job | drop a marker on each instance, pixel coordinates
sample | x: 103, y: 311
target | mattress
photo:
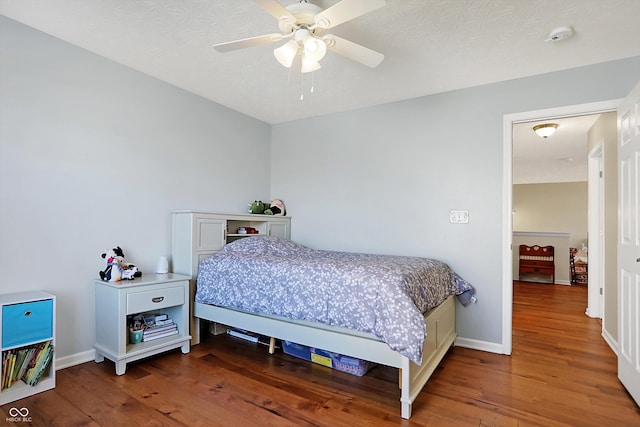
x: 382, y: 295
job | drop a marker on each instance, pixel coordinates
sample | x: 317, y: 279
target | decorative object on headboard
x: 538, y: 262
x: 276, y: 208
x: 257, y: 207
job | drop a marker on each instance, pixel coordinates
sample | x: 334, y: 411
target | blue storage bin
x: 337, y: 361
x: 297, y: 350
x: 27, y: 322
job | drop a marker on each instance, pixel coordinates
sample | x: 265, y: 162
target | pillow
x: 265, y: 245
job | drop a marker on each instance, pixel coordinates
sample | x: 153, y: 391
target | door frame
x: 507, y: 200
x: 595, y: 297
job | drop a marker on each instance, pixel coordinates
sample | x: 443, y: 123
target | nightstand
x: 151, y: 294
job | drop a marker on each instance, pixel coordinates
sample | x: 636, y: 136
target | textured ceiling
x: 562, y: 157
x: 430, y: 46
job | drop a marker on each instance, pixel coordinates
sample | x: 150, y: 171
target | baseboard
x: 75, y: 359
x: 557, y: 282
x: 490, y: 347
x: 613, y: 343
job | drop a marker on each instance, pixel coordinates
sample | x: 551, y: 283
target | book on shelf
x: 26, y: 363
x: 158, y: 329
x: 160, y: 335
x: 163, y: 322
x: 33, y: 374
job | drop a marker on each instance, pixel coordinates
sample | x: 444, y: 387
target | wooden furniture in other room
x: 536, y: 264
x: 579, y: 267
x: 151, y: 294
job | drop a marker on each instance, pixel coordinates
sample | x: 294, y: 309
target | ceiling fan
x: 305, y: 24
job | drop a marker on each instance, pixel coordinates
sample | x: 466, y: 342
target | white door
x: 629, y: 243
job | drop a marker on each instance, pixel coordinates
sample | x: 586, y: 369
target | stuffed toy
x: 257, y: 207
x: 129, y: 271
x: 112, y: 272
x: 117, y: 269
x: 276, y: 208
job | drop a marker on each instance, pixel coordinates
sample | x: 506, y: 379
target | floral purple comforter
x: 378, y: 294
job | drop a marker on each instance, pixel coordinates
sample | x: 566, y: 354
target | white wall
x: 93, y: 154
x: 383, y: 179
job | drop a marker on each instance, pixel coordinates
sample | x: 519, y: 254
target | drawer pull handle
x: 157, y: 299
x: 28, y: 313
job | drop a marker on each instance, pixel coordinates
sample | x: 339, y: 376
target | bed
x: 396, y: 311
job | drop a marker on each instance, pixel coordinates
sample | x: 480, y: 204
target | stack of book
x: 26, y: 363
x: 158, y: 326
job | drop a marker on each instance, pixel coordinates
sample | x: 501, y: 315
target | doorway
x: 507, y: 243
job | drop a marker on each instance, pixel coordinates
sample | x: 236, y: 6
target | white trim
x: 595, y: 231
x: 611, y: 341
x: 507, y: 199
x: 507, y: 233
x: 540, y: 234
x: 75, y: 359
x: 491, y: 347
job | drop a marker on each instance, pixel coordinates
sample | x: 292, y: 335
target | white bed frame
x: 196, y: 235
x: 441, y: 334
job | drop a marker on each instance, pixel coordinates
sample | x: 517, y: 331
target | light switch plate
x: 459, y: 217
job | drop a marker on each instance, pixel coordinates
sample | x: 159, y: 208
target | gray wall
x: 383, y: 179
x: 93, y: 154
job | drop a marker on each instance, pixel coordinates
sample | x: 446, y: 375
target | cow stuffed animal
x: 113, y: 271
x: 117, y: 269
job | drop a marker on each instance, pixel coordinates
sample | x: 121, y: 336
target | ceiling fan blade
x: 346, y: 10
x: 250, y: 42
x: 354, y: 51
x: 275, y: 9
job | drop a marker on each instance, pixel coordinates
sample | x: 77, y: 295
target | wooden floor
x: 561, y: 373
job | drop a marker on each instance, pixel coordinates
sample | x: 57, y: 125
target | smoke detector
x: 559, y: 34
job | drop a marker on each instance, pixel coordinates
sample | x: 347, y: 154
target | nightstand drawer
x: 138, y: 302
x: 27, y: 322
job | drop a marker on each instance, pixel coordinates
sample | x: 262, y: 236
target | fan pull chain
x: 311, y: 90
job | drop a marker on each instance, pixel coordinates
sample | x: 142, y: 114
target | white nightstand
x: 151, y: 293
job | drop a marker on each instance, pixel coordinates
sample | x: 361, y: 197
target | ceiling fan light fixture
x: 314, y: 49
x: 286, y: 53
x: 545, y: 130
x: 309, y: 65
